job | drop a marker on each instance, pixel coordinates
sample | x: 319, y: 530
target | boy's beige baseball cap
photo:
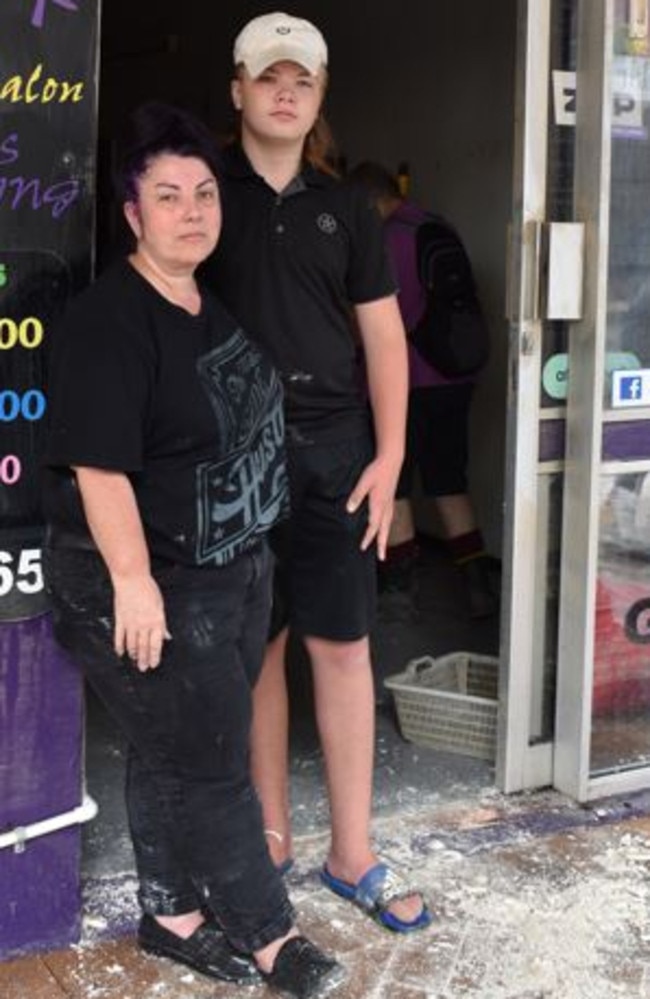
x: 278, y: 37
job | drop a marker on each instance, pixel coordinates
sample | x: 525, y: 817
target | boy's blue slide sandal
x: 374, y: 893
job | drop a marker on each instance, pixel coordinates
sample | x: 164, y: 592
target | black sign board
x: 48, y: 115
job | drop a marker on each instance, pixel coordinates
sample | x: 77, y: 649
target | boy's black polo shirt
x: 290, y: 267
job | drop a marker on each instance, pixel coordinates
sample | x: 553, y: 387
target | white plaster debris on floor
x: 557, y: 916
x: 528, y: 921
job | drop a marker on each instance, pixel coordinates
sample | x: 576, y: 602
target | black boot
x: 397, y: 584
x: 482, y: 583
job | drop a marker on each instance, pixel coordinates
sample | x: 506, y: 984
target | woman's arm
x: 114, y: 521
x: 384, y: 344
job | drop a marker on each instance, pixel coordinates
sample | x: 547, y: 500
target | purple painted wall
x: 48, y: 116
x: 40, y: 776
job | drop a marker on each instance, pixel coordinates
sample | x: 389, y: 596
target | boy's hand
x: 377, y: 485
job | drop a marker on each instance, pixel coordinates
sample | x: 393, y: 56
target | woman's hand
x: 114, y: 521
x: 140, y: 626
x: 377, y: 484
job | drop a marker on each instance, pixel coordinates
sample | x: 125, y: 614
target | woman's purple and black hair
x: 155, y: 129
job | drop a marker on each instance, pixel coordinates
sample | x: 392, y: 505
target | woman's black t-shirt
x: 185, y: 405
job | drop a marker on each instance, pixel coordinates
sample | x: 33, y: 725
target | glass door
x: 575, y: 683
x: 603, y: 716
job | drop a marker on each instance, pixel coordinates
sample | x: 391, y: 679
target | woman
x: 311, y: 250
x: 165, y: 471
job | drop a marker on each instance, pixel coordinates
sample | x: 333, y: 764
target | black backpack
x: 452, y: 334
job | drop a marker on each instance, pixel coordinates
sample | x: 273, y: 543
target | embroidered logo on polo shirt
x: 327, y: 223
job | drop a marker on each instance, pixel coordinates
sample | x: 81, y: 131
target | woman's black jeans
x: 194, y: 816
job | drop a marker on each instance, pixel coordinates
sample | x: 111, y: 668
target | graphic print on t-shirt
x: 246, y: 490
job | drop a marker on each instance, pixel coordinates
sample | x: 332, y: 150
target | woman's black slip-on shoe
x: 303, y: 971
x: 207, y: 951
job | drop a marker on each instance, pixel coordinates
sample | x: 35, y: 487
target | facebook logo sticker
x: 631, y: 388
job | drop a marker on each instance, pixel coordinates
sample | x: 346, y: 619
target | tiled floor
x: 535, y: 897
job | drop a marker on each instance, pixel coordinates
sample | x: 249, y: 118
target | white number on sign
x: 27, y: 576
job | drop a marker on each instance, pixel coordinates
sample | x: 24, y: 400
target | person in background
x: 165, y: 470
x: 301, y: 263
x: 437, y: 429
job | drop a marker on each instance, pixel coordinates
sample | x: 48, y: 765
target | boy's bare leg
x: 270, y: 748
x: 345, y: 712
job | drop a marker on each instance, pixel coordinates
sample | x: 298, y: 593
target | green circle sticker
x: 555, y: 373
x: 555, y: 376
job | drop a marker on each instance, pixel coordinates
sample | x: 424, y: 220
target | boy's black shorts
x: 436, y: 440
x: 325, y: 586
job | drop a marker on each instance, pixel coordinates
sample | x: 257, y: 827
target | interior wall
x: 430, y: 82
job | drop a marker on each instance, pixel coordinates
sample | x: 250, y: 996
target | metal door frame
x: 520, y: 765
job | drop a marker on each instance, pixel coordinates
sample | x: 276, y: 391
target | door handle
x: 545, y: 272
x: 564, y: 270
